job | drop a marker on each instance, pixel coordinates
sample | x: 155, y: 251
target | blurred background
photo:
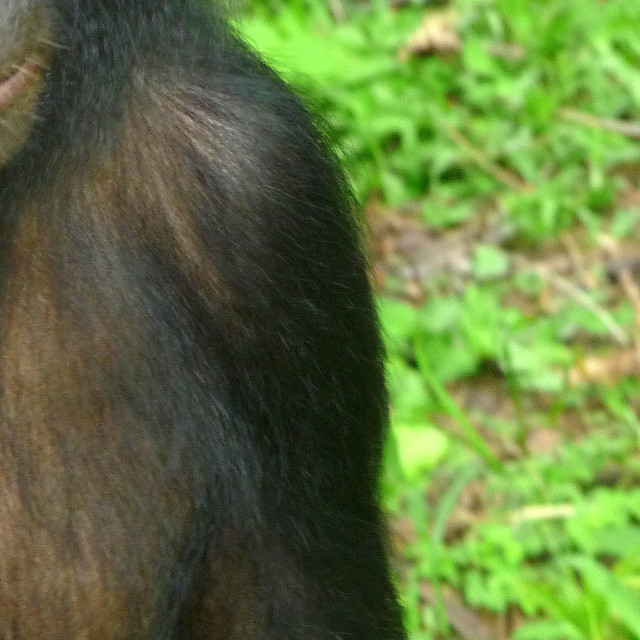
x: 494, y: 149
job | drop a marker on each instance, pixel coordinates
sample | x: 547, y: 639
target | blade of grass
x: 474, y: 439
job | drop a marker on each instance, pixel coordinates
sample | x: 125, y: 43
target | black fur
x: 192, y: 404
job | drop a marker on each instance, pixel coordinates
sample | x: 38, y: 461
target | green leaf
x: 549, y: 630
x: 449, y: 357
x: 399, y: 322
x: 489, y: 263
x: 624, y: 223
x: 410, y: 399
x: 419, y: 447
x: 620, y: 599
x: 441, y: 315
x: 478, y: 61
x: 618, y: 542
x: 448, y: 404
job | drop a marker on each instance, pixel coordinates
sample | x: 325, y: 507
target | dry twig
x: 579, y: 295
x: 501, y: 175
x: 542, y: 512
x: 623, y: 127
x: 629, y: 287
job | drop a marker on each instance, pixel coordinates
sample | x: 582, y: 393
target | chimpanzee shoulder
x: 192, y: 402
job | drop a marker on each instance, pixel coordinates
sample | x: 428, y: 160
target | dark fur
x: 192, y: 404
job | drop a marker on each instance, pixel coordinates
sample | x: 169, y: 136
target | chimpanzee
x: 192, y: 402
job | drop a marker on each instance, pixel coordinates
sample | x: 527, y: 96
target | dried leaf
x: 436, y: 35
x: 608, y: 368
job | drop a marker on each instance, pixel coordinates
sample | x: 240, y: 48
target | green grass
x: 513, y: 471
